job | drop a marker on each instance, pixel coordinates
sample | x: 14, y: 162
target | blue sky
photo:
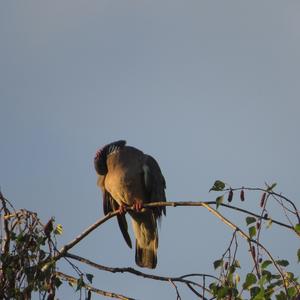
x: 209, y: 88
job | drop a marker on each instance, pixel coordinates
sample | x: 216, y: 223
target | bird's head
x: 100, y: 161
x: 101, y: 155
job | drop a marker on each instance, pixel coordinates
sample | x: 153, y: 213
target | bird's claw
x: 137, y: 205
x: 122, y: 209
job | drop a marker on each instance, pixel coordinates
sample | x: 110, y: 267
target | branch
x: 246, y: 237
x: 274, y: 194
x: 133, y: 271
x: 195, y: 203
x: 73, y: 280
x: 176, y: 289
x: 6, y: 226
x: 81, y: 236
x: 110, y: 215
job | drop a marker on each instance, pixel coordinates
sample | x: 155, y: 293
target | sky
x: 209, y: 88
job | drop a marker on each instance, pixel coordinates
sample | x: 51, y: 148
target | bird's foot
x: 137, y: 205
x: 122, y: 209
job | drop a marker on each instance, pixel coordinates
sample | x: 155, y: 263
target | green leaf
x: 278, y: 283
x: 237, y: 264
x: 292, y: 291
x: 252, y: 231
x: 262, y: 281
x: 222, y: 292
x: 89, y: 277
x: 271, y: 187
x: 281, y: 296
x: 219, y: 200
x: 270, y: 290
x: 41, y: 240
x: 290, y: 276
x: 250, y: 280
x: 234, y: 292
x: 297, y: 228
x: 57, y: 282
x: 229, y: 279
x: 20, y: 238
x: 260, y: 295
x: 276, y: 276
x: 218, y: 186
x: 267, y: 274
x: 266, y: 263
x: 218, y: 263
x: 250, y: 220
x: 58, y: 229
x: 80, y: 283
x: 298, y: 254
x: 282, y: 262
x: 232, y: 269
x: 254, y: 291
x: 213, y: 287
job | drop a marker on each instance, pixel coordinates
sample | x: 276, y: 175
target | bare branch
x: 133, y: 271
x: 296, y: 211
x: 73, y: 280
x: 201, y: 203
x: 81, y: 236
x: 176, y: 289
x: 110, y: 215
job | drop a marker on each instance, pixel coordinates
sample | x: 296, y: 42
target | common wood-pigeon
x: 128, y: 177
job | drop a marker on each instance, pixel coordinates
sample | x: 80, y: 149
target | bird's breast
x: 123, y: 188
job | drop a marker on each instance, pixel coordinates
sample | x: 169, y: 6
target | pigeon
x: 128, y: 177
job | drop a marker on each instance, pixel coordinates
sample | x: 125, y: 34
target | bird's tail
x: 145, y: 231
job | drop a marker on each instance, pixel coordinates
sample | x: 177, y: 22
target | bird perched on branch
x: 128, y: 177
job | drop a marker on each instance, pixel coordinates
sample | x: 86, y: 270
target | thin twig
x: 74, y: 280
x: 200, y: 275
x: 195, y: 291
x: 110, y: 215
x: 246, y: 237
x: 272, y: 193
x: 139, y: 273
x: 75, y: 241
x: 200, y: 203
x: 63, y: 251
x: 176, y: 289
x: 81, y: 236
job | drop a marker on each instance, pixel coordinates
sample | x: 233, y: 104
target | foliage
x: 26, y: 246
x: 29, y: 255
x: 268, y: 277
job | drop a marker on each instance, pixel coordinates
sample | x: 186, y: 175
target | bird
x: 128, y: 177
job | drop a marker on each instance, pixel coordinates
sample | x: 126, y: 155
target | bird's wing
x: 155, y: 184
x: 111, y: 205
